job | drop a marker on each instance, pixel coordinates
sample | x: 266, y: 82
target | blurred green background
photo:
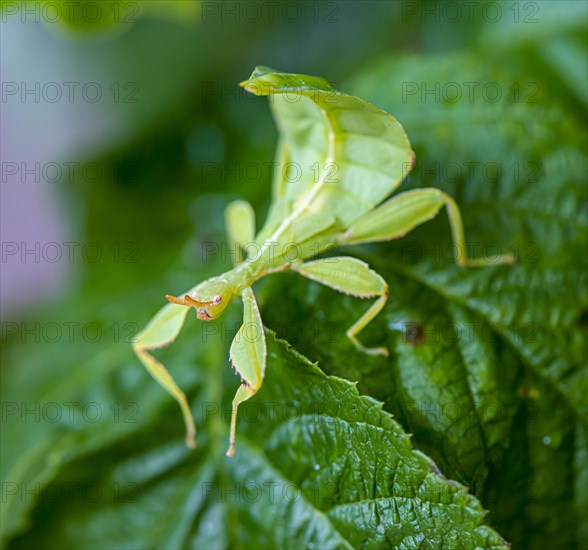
x: 133, y: 163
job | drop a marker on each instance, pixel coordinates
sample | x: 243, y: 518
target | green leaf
x: 318, y: 465
x: 542, y: 217
x: 472, y: 350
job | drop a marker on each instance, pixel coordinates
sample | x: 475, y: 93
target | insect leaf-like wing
x: 339, y: 155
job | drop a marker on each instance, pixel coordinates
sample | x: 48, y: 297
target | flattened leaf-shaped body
x: 339, y: 155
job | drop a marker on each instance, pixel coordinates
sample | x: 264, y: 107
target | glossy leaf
x: 480, y: 358
x: 299, y: 479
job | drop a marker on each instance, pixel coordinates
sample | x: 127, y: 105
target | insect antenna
x: 187, y: 300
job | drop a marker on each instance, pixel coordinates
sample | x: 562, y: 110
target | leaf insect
x: 363, y: 154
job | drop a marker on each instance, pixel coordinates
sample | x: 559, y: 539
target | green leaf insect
x: 339, y: 158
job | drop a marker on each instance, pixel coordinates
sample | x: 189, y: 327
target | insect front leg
x: 248, y: 355
x: 240, y: 222
x: 161, y: 331
x: 399, y: 215
x: 354, y: 277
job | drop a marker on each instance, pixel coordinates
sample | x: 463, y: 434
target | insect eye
x: 202, y: 314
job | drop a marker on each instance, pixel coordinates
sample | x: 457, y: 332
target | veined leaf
x: 318, y: 465
x: 479, y: 357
